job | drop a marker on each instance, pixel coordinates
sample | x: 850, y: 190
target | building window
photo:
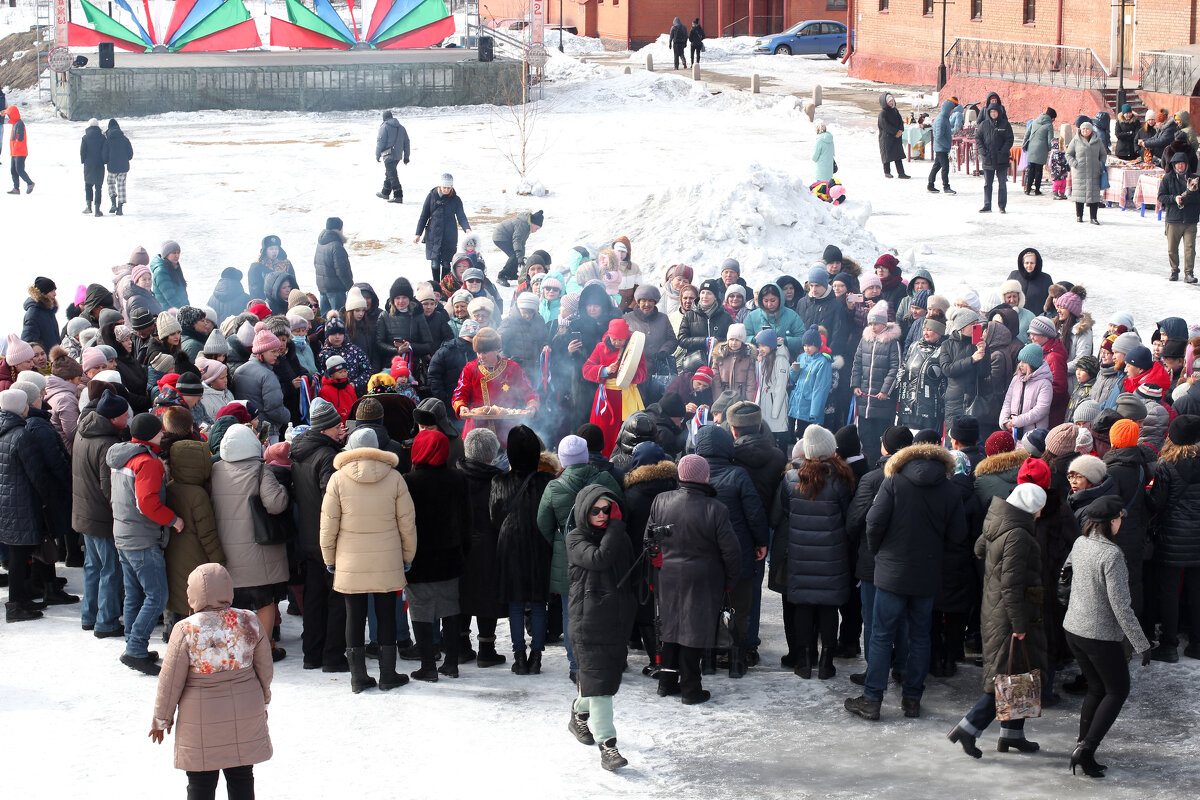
x: 976, y: 9
x: 883, y: 5
x: 1030, y: 12
x: 927, y: 7
x: 835, y: 5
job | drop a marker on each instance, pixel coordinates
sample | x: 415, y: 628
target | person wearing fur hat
x: 194, y: 330
x: 612, y: 404
x: 733, y: 364
x: 876, y: 369
x: 271, y: 258
x: 167, y: 281
x: 524, y: 334
x: 93, y: 153
x: 41, y: 307
x: 441, y: 216
x: 491, y: 381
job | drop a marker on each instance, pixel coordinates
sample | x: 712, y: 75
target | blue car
x: 814, y: 37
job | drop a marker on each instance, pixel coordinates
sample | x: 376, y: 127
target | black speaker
x: 486, y: 50
x: 106, y: 55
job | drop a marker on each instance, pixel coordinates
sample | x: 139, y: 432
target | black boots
x: 520, y: 665
x: 708, y: 663
x: 388, y: 677
x: 737, y: 662
x: 535, y: 662
x: 579, y: 729
x: 423, y: 631
x: 864, y: 707
x: 19, y: 612
x: 966, y: 740
x: 911, y: 706
x: 668, y: 683
x: 803, y: 664
x: 825, y: 668
x: 1003, y: 745
x: 112, y: 209
x: 487, y: 656
x: 610, y: 757
x: 99, y: 213
x: 120, y: 212
x: 1086, y: 760
x: 147, y: 665
x: 465, y: 653
x: 359, y: 679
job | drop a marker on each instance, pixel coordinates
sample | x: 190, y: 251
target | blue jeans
x: 537, y: 619
x: 752, y: 640
x: 101, y: 602
x: 982, y: 715
x: 332, y: 300
x: 889, y: 613
x: 145, y: 574
x: 867, y: 592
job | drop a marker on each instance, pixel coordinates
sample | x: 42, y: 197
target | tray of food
x: 496, y: 412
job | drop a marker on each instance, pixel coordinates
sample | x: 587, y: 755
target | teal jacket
x: 823, y: 157
x: 785, y: 321
x: 170, y: 289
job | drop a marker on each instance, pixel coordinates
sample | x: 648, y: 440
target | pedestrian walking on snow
x: 93, y: 154
x: 18, y: 151
x: 440, y: 219
x: 391, y: 145
x: 678, y: 39
x: 120, y: 153
x: 891, y: 129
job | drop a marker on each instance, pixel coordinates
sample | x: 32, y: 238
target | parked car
x: 818, y: 37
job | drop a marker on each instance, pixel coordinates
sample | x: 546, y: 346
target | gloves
x: 406, y: 161
x: 329, y: 568
x: 1146, y: 658
x: 407, y: 566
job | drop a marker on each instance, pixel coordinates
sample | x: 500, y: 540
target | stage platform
x: 296, y: 80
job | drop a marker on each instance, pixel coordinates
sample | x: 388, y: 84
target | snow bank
x: 573, y: 45
x: 764, y: 217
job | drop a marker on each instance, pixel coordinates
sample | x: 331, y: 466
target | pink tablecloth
x: 1146, y: 192
x: 1121, y: 180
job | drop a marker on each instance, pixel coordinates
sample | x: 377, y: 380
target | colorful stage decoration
x: 193, y: 26
x: 393, y: 24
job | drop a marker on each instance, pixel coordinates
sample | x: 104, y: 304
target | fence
x: 1044, y: 65
x: 1168, y: 73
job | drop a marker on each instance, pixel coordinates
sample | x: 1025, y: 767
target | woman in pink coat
x: 217, y: 672
x: 1027, y: 402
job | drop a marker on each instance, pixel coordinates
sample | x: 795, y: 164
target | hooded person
x: 229, y: 298
x: 118, y: 154
x: 891, y: 131
x: 167, y: 281
x: 771, y: 312
x: 1034, y: 282
x: 677, y: 38
x: 875, y: 371
x: 41, y: 307
x: 612, y: 403
x: 946, y: 124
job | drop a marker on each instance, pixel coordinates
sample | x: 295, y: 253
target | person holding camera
x: 600, y: 611
x: 1178, y: 197
x: 701, y: 562
x: 391, y: 145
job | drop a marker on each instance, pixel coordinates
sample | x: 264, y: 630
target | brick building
x: 622, y: 24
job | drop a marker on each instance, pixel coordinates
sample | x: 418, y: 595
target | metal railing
x: 1167, y: 73
x: 1044, y: 65
x: 766, y: 25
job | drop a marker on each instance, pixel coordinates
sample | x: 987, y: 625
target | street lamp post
x: 560, y: 27
x: 942, y: 65
x: 1121, y: 74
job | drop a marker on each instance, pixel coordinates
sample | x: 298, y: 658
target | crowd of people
x: 617, y: 457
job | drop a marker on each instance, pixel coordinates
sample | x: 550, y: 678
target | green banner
x: 110, y: 27
x: 427, y: 13
x: 301, y: 15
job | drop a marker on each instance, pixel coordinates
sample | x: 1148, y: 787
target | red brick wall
x: 797, y: 10
x: 1172, y: 103
x: 1024, y: 101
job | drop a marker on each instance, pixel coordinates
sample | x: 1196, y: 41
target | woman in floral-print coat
x: 217, y: 672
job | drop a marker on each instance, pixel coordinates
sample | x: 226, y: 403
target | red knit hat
x: 618, y: 329
x: 1034, y: 470
x: 999, y: 442
x: 888, y: 261
x: 260, y: 310
x: 704, y: 375
x: 430, y: 447
x: 399, y: 368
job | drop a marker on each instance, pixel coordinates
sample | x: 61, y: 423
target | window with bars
x: 1030, y: 11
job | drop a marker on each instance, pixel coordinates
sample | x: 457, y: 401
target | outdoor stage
x: 286, y: 80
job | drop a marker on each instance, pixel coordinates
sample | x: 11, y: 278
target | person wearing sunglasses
x: 600, y: 612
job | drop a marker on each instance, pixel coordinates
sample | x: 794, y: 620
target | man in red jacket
x: 1142, y: 369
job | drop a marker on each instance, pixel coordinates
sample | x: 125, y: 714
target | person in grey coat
x: 701, y: 562
x: 1039, y: 137
x: 510, y: 237
x: 391, y: 144
x: 600, y: 612
x: 1086, y: 155
x: 256, y: 381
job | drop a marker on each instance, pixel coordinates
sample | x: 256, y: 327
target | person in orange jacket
x: 337, y: 388
x: 18, y: 149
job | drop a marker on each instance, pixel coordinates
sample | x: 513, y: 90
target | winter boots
x: 668, y: 683
x: 610, y: 757
x: 465, y: 653
x: 579, y: 728
x: 911, y: 706
x: 487, y: 656
x: 1022, y: 745
x: 960, y: 737
x: 97, y: 211
x: 359, y: 679
x: 520, y: 665
x: 737, y: 662
x: 120, y: 212
x: 388, y: 677
x: 423, y: 631
x: 113, y: 208
x: 864, y: 707
x: 535, y: 662
x: 825, y: 668
x: 147, y: 665
x: 19, y: 612
x: 803, y: 665
x: 1167, y: 653
x: 1086, y: 760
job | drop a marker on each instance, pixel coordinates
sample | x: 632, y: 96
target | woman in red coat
x: 491, y: 380
x: 613, y: 404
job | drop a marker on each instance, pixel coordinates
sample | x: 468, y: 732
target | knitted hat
x: 744, y: 415
x: 264, y: 342
x: 1071, y: 302
x: 355, y: 300
x: 1061, y: 439
x: 303, y: 312
x: 646, y: 454
x: 17, y: 351
x: 166, y: 324
x: 32, y: 392
x: 36, y: 378
x: 1089, y: 364
x: 111, y: 405
x: 929, y: 436
x: 812, y: 337
x: 832, y: 253
x: 401, y: 288
x: 819, y: 443
x: 848, y: 443
x: 169, y: 247
x: 481, y: 445
x: 77, y: 326
x: 737, y: 289
x: 92, y: 359
x: 1122, y: 319
x: 935, y: 325
x: 163, y: 362
x: 245, y: 335
x: 15, y: 401
x: 399, y: 368
x: 704, y: 375
x: 920, y: 298
x: 1125, y: 342
x: 878, y: 313
x: 480, y: 304
x: 1034, y: 442
x: 1185, y: 430
x: 1131, y: 407
x: 369, y: 409
x: 362, y: 437
x: 572, y: 450
x: 768, y: 337
x: 1032, y: 355
x: 110, y: 316
x: 736, y: 331
x: 672, y: 405
x: 1043, y: 326
x: 189, y: 385
x: 888, y: 262
x: 591, y: 433
x: 143, y: 427
x: 446, y: 181
x: 999, y: 442
x: 89, y: 337
x: 868, y: 281
x: 332, y: 327
x: 333, y: 223
x: 1124, y: 433
x: 643, y: 292
x: 724, y: 401
x: 1150, y: 391
x: 468, y: 329
x: 44, y: 285
x: 731, y: 263
x: 211, y: 370
x: 1086, y: 412
x: 215, y: 344
x: 1174, y: 348
x: 1139, y: 356
x: 1091, y: 468
x: 140, y: 318
x: 239, y: 410
x: 846, y: 279
x: 692, y: 468
x: 188, y: 316
x: 279, y: 454
x: 333, y: 364
x: 896, y: 438
x: 819, y: 276
x: 322, y: 415
x: 1036, y: 471
x: 965, y: 429
x: 1028, y: 497
x: 424, y: 292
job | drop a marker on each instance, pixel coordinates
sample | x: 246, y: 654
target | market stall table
x: 1146, y: 194
x: 1123, y: 179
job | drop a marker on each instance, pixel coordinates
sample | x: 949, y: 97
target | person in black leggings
x: 1099, y: 618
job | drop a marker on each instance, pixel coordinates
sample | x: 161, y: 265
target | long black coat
x: 120, y: 150
x: 312, y: 466
x: 522, y: 553
x: 21, y: 470
x: 1131, y: 468
x: 409, y: 326
x: 856, y: 521
x: 477, y: 591
x: 701, y: 561
x: 439, y: 495
x: 93, y: 154
x: 891, y: 146
x: 819, y: 564
x: 961, y: 373
x: 1176, y: 497
x: 642, y: 486
x: 958, y: 567
x: 440, y: 217
x: 332, y: 263
x: 600, y: 603
x: 446, y: 366
x: 736, y: 492
x: 763, y: 461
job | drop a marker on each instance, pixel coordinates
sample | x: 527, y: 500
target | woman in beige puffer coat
x: 217, y: 672
x: 259, y: 572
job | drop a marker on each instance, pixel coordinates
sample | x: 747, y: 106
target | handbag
x: 835, y: 166
x: 269, y: 529
x: 1104, y: 179
x: 724, y: 628
x: 46, y: 552
x: 1018, y: 696
x: 1064, y: 585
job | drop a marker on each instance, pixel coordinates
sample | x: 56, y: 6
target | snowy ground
x: 689, y: 177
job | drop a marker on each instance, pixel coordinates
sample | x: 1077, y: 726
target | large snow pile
x: 573, y: 45
x: 765, y: 218
x: 714, y: 49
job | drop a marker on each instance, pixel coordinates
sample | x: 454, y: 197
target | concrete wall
x: 138, y: 92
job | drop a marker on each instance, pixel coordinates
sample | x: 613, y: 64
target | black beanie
x: 145, y: 427
x: 590, y: 432
x: 896, y: 438
x: 401, y: 288
x: 832, y: 253
x: 44, y: 285
x: 848, y: 443
x: 536, y: 218
x: 672, y: 405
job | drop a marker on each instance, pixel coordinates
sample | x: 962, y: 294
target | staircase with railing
x: 1168, y: 73
x: 1019, y: 62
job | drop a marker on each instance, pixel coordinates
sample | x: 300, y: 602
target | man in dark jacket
x: 91, y: 513
x: 891, y: 130
x: 678, y: 39
x: 1179, y: 197
x: 440, y: 219
x: 120, y: 153
x: 447, y: 363
x: 391, y: 144
x: 994, y: 138
x: 916, y: 511
x: 748, y: 516
x: 510, y: 237
x: 324, y: 636
x: 93, y: 154
x: 334, y: 276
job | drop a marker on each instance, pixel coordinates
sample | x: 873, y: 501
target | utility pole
x: 1121, y: 74
x: 942, y: 66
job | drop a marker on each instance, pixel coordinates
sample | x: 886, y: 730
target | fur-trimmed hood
x: 1084, y: 325
x: 1001, y: 462
x: 548, y: 463
x: 909, y: 463
x: 41, y: 299
x: 663, y: 470
x: 722, y: 351
x: 889, y: 334
x: 1172, y: 453
x: 365, y: 464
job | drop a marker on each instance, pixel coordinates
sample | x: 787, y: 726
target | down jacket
x: 478, y: 592
x: 555, y: 508
x: 443, y: 518
x: 819, y: 563
x: 91, y: 477
x: 40, y: 323
x: 876, y: 370
x: 697, y: 327
x: 735, y: 490
x: 1175, y: 496
x: 21, y: 471
x: 236, y: 478
x: 368, y: 523
x: 198, y: 543
x: 332, y: 263
x: 217, y: 672
x: 1086, y: 157
x: 1027, y: 401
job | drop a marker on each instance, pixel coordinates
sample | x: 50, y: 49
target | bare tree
x: 516, y: 121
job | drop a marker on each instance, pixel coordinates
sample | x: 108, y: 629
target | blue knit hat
x: 819, y: 276
x: 812, y: 336
x: 920, y: 299
x: 768, y: 337
x: 1032, y: 355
